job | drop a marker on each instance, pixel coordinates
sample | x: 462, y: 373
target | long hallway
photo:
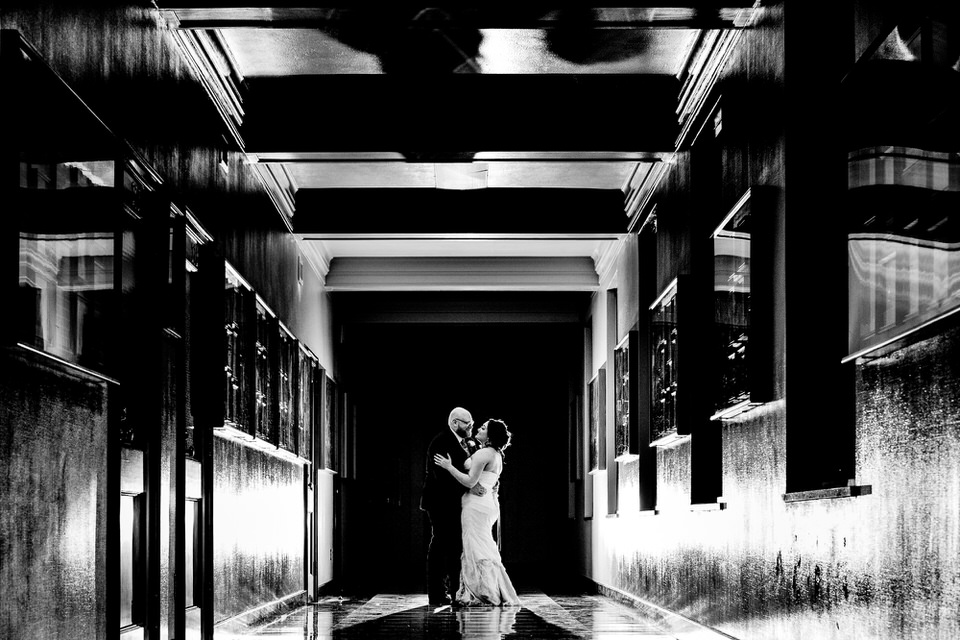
x: 541, y: 617
x: 701, y: 259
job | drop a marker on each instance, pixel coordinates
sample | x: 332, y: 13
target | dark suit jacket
x: 441, y: 491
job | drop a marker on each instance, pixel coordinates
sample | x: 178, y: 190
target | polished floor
x: 540, y: 617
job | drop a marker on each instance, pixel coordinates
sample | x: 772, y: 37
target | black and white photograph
x: 501, y: 322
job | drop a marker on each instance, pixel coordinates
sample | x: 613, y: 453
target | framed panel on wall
x: 288, y: 367
x: 625, y: 398
x: 664, y: 367
x: 329, y: 440
x: 265, y: 373
x: 597, y: 434
x: 308, y: 403
x: 238, y: 365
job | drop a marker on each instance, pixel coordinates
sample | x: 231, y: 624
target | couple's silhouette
x: 463, y: 469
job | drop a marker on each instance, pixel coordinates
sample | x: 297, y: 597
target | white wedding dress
x: 483, y: 580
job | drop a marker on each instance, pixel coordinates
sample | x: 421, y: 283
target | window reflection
x: 66, y: 260
x: 903, y: 242
x: 731, y: 294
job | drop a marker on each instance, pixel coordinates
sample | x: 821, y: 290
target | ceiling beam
x: 462, y: 274
x: 660, y: 15
x: 439, y: 212
x: 490, y: 157
x: 438, y: 117
x: 451, y: 307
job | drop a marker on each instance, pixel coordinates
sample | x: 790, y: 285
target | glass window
x: 191, y: 552
x: 126, y: 560
x: 66, y: 264
x: 287, y: 348
x: 131, y: 557
x: 305, y: 415
x: 624, y: 380
x: 237, y: 296
x: 663, y: 340
x: 264, y: 384
x: 903, y: 242
x: 731, y: 296
x: 598, y: 422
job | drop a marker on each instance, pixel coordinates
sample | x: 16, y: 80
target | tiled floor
x: 400, y: 617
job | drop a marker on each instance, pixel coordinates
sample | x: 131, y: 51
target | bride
x: 483, y: 580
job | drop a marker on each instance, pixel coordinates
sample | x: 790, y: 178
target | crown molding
x: 280, y: 187
x: 210, y: 58
x: 606, y: 258
x: 316, y: 256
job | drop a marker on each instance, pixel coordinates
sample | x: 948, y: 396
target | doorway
x: 404, y: 379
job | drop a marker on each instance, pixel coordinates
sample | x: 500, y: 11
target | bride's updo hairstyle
x: 497, y: 434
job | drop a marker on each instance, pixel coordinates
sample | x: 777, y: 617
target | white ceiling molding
x: 280, y: 187
x: 606, y: 259
x: 462, y: 274
x: 317, y: 258
x: 706, y: 63
x: 213, y: 62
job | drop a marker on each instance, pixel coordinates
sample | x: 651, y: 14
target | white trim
x: 276, y: 604
x: 734, y: 210
x: 679, y: 625
x: 605, y: 258
x: 462, y: 274
x: 670, y: 288
x: 67, y: 363
x: 317, y: 257
x: 229, y: 432
x: 898, y: 337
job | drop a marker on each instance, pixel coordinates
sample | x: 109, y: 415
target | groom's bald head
x: 460, y: 421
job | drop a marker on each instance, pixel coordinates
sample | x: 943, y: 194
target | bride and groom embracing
x: 460, y: 497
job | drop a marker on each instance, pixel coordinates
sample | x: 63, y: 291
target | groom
x: 441, y: 501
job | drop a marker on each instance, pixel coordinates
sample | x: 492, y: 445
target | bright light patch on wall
x: 461, y: 175
x: 503, y: 50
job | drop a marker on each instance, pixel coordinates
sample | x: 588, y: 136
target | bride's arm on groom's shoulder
x: 480, y: 459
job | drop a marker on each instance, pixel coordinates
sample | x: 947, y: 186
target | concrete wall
x: 258, y: 524
x: 53, y: 434
x: 883, y: 565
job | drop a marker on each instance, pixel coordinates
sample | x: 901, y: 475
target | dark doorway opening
x: 403, y: 380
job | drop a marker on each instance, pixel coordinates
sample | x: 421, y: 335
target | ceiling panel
x: 464, y: 247
x: 581, y: 175
x: 369, y: 122
x: 285, y: 52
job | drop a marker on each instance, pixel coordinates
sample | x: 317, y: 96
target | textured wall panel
x: 258, y: 528
x: 53, y: 434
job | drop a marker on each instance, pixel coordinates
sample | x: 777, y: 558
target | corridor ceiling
x: 482, y: 142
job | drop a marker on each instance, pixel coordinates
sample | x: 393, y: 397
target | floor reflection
x: 487, y: 623
x: 400, y: 617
